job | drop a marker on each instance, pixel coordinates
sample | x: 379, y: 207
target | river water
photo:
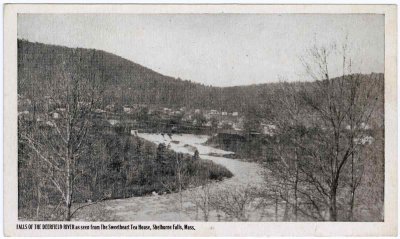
x: 167, y: 207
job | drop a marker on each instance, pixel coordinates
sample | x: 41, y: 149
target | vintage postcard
x: 200, y: 120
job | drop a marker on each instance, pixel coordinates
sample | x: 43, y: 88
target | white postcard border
x: 386, y: 228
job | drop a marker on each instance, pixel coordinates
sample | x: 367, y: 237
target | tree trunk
x: 295, y: 187
x: 351, y: 213
x: 353, y: 189
x: 286, y: 214
x: 332, y: 206
x: 276, y: 207
x: 38, y: 202
x: 69, y: 177
x: 68, y: 217
x: 295, y: 196
x: 205, y: 217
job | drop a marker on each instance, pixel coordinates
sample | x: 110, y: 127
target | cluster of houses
x: 223, y: 121
x: 110, y: 116
x: 210, y: 118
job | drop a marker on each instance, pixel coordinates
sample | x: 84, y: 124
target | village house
x: 208, y: 124
x: 113, y: 122
x: 268, y: 129
x: 100, y: 111
x: 363, y: 126
x: 127, y: 109
x: 364, y: 140
x: 207, y: 116
x: 151, y: 111
x: 187, y: 117
x: 55, y: 115
x: 25, y: 112
x: 110, y: 107
x: 177, y: 112
x: 83, y: 104
x: 237, y: 126
x: 214, y: 112
x: 49, y: 123
x: 167, y: 110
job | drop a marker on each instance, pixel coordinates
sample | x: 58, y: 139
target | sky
x: 216, y: 49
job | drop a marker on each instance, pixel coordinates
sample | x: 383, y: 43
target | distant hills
x: 130, y: 83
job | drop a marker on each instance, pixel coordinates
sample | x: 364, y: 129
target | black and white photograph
x: 200, y: 117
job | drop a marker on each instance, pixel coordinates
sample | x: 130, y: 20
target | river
x: 167, y: 207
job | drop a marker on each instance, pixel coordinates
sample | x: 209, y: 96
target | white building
x: 364, y: 140
x: 113, y: 121
x: 56, y: 115
x: 269, y: 129
x: 213, y: 112
x: 25, y: 112
x: 99, y: 111
x: 127, y: 109
x: 110, y: 107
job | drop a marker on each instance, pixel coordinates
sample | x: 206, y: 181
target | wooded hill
x: 126, y: 82
x: 130, y: 83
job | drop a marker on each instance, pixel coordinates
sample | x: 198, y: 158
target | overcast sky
x: 214, y: 49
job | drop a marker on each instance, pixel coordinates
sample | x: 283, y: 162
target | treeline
x: 113, y: 166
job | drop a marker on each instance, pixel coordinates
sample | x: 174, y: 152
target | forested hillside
x: 129, y: 83
x: 126, y: 82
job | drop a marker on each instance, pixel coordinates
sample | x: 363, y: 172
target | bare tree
x: 201, y: 198
x: 202, y: 193
x: 235, y: 201
x: 61, y: 140
x: 322, y: 130
x: 286, y: 166
x: 181, y: 178
x: 342, y: 108
x: 283, y: 167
